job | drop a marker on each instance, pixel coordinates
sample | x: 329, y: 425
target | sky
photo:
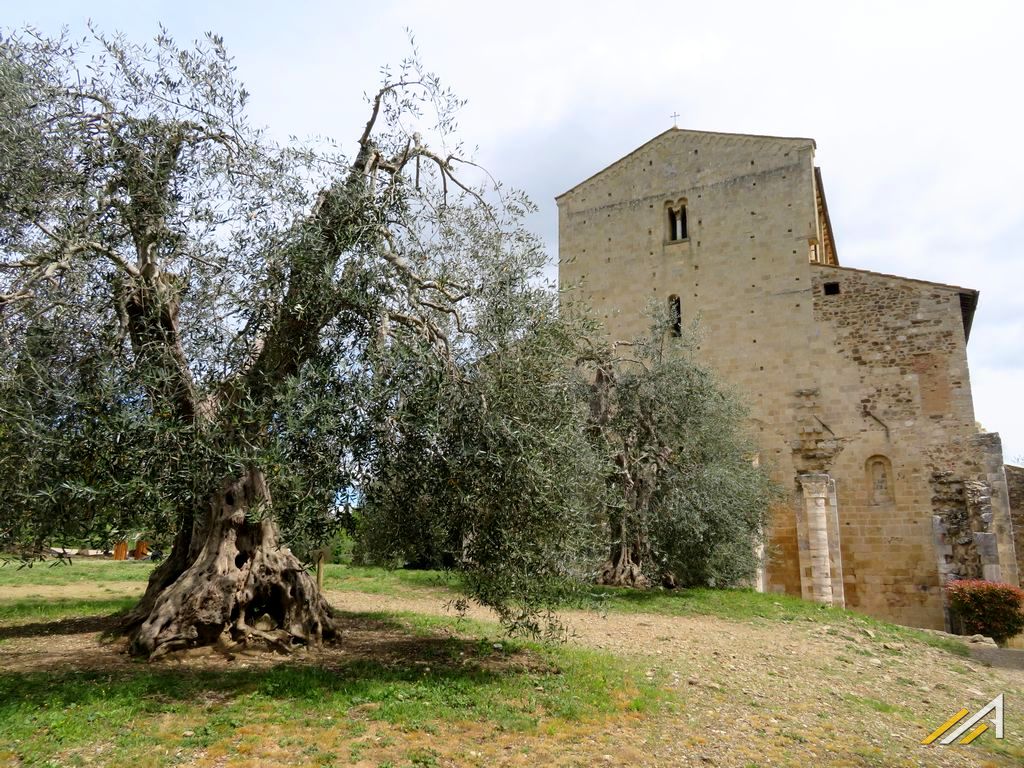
x: 915, y: 107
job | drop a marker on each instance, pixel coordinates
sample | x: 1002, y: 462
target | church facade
x: 857, y: 382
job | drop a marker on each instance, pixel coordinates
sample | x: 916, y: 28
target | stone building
x: 1015, y: 485
x: 857, y: 381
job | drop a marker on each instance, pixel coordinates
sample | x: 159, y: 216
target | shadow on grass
x: 374, y: 653
x: 398, y: 670
x: 389, y: 671
x: 68, y: 626
x: 358, y: 681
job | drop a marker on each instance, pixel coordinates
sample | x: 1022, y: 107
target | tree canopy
x: 208, y: 333
x: 217, y: 338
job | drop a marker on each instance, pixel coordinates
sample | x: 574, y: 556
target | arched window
x: 677, y: 229
x: 879, y: 477
x: 675, y: 313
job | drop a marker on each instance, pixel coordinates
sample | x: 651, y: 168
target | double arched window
x: 676, y: 221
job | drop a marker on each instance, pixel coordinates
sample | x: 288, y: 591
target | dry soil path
x: 769, y: 693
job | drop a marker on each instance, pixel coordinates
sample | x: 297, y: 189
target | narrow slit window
x: 675, y: 311
x: 879, y: 471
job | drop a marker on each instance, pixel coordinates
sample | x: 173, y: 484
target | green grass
x: 40, y: 609
x: 443, y: 671
x: 577, y: 683
x: 426, y: 674
x: 734, y: 604
x: 875, y: 705
x: 80, y: 570
x: 730, y: 604
x: 379, y: 581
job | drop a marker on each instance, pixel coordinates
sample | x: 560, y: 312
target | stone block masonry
x: 1015, y: 495
x: 857, y: 382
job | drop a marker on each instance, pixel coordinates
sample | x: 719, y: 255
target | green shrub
x: 987, y: 608
x: 341, y: 546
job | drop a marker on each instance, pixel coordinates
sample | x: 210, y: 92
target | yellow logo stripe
x: 974, y: 734
x: 946, y: 726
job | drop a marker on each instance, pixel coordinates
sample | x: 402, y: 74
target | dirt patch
x: 776, y: 693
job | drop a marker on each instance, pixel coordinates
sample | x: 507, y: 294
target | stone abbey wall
x: 857, y: 381
x: 1015, y: 488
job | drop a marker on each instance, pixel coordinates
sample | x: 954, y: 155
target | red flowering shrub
x: 987, y: 608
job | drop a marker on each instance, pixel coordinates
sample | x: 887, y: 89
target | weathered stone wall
x: 897, y: 393
x: 742, y: 272
x: 865, y: 381
x: 990, y: 509
x: 1015, y: 492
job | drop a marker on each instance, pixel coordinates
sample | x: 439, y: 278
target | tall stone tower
x: 857, y: 381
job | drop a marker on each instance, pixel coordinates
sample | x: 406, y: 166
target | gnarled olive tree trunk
x: 640, y: 458
x: 230, y: 583
x: 228, y: 580
x: 624, y: 567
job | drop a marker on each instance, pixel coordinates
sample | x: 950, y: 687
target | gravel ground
x: 799, y: 693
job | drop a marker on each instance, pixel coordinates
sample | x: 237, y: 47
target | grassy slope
x: 736, y: 605
x: 361, y: 710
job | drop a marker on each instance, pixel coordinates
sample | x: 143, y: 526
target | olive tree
x: 687, y: 502
x: 474, y: 475
x: 207, y: 331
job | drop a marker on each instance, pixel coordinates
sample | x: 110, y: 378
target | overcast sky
x: 915, y: 106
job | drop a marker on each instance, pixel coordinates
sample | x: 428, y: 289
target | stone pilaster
x: 998, y: 555
x: 834, y: 553
x: 816, y: 549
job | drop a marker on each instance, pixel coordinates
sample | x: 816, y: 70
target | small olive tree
x: 475, y: 472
